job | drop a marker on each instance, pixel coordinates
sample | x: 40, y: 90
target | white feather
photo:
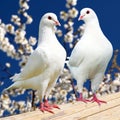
x: 91, y: 54
x: 45, y: 63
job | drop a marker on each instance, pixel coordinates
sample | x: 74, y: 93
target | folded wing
x: 36, y: 65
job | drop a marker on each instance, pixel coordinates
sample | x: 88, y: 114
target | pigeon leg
x: 33, y: 99
x: 95, y: 99
x: 46, y: 104
x: 44, y: 108
x: 80, y: 98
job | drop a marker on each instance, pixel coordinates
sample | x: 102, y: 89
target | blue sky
x: 108, y: 14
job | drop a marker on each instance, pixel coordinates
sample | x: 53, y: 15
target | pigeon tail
x: 16, y: 77
x: 15, y: 85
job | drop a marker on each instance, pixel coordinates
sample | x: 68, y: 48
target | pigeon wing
x: 77, y: 56
x: 36, y: 65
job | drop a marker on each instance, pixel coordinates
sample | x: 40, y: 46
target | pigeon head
x: 50, y: 19
x: 87, y: 14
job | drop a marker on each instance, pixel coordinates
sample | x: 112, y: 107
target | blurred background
x: 30, y: 13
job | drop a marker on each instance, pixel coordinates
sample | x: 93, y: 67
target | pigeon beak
x: 81, y: 17
x: 57, y: 23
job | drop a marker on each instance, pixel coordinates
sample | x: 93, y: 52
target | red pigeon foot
x: 44, y: 108
x: 82, y: 99
x: 55, y: 106
x: 95, y: 99
x: 46, y: 104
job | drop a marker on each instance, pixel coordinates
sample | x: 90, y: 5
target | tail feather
x: 15, y: 85
x: 16, y: 77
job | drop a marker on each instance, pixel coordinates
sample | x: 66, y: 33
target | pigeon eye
x: 49, y: 17
x: 88, y: 12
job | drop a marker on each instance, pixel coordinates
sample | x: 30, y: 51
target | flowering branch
x: 115, y: 65
x: 68, y: 18
x: 22, y: 47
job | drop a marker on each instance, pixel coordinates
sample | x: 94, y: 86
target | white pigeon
x: 44, y: 64
x: 91, y: 55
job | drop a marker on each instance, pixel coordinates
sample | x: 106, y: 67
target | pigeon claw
x: 44, y: 108
x: 80, y: 98
x: 55, y: 106
x: 46, y: 104
x: 95, y: 99
x: 83, y: 100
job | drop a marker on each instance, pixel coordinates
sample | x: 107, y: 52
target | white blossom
x: 29, y: 20
x: 116, y: 82
x: 21, y: 51
x: 29, y: 48
x: 73, y: 12
x: 68, y: 37
x: 1, y: 112
x: 20, y: 33
x: 71, y: 45
x: 29, y: 105
x: 21, y: 104
x: 24, y: 4
x: 16, y: 20
x: 11, y: 50
x: 25, y: 14
x: 81, y: 29
x: 8, y: 65
x: 2, y: 33
x: 70, y: 23
x: 5, y: 41
x: 59, y: 33
x: 72, y: 2
x: 10, y: 28
x: 63, y: 15
x: 66, y: 26
x: 32, y: 40
x: 68, y: 5
x: 4, y: 48
x: 20, y: 37
x: 25, y: 41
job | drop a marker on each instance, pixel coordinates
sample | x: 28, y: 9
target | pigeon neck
x: 45, y: 34
x: 93, y: 25
x: 92, y: 22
